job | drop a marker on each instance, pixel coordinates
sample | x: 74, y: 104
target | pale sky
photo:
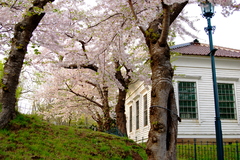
x: 227, y: 33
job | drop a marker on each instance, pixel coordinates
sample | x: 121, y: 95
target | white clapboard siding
x: 193, y: 69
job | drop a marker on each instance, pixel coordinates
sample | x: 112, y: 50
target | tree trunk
x: 120, y: 112
x: 163, y: 132
x: 106, y: 110
x: 122, y: 93
x: 12, y: 68
x: 161, y: 144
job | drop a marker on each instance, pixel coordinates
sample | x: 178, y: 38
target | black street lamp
x: 208, y: 12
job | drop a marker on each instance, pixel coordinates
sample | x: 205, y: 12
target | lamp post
x: 208, y: 12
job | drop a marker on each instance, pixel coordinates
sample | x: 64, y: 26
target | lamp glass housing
x: 207, y: 9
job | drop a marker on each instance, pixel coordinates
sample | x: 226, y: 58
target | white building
x: 194, y: 94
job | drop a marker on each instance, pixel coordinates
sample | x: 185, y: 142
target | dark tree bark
x: 122, y: 93
x: 161, y: 144
x: 12, y: 68
x: 106, y: 110
x: 120, y: 112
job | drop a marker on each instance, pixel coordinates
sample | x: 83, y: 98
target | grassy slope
x: 28, y: 137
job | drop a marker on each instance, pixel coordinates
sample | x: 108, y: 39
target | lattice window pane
x: 187, y: 100
x: 226, y: 101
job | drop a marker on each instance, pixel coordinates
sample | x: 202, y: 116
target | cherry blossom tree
x: 154, y: 19
x: 12, y: 68
x: 106, y: 41
x: 163, y: 133
x: 86, y: 46
x: 55, y: 100
x: 34, y: 13
x: 111, y: 71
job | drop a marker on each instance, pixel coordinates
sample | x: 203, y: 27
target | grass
x: 27, y: 137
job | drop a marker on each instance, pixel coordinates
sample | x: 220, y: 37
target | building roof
x: 196, y: 48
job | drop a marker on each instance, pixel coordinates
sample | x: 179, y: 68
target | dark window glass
x: 137, y: 115
x: 187, y: 100
x: 130, y: 119
x: 145, y: 120
x: 226, y: 101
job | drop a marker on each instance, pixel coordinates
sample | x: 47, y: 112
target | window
x: 226, y: 101
x: 130, y: 119
x: 187, y: 100
x: 145, y: 120
x: 137, y: 115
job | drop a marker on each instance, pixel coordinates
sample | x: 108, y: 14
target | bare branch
x: 100, y: 91
x: 83, y: 96
x: 81, y: 41
x: 132, y: 9
x: 135, y: 16
x: 3, y: 4
x: 13, y: 4
x: 110, y: 42
x: 105, y: 20
x: 86, y: 66
x: 7, y: 30
x: 10, y: 6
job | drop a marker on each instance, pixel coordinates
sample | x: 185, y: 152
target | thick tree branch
x: 155, y: 34
x: 119, y: 76
x: 86, y: 66
x: 176, y: 9
x: 165, y: 25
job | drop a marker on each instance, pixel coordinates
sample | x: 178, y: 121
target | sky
x: 227, y: 32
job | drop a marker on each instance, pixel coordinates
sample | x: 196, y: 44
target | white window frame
x: 194, y: 79
x: 234, y: 82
